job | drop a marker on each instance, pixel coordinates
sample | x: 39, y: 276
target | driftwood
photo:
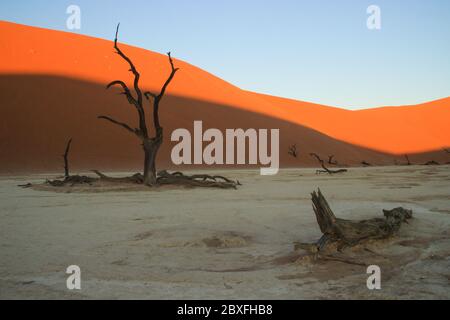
x: 293, y: 151
x: 325, y: 169
x: 340, y: 233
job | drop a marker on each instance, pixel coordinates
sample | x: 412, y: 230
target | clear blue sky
x: 312, y: 50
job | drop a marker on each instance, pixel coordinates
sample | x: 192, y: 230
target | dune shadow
x: 40, y: 112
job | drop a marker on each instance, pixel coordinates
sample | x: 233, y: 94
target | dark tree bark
x: 150, y: 144
x: 66, y: 159
x: 408, y: 163
x: 293, y: 151
x: 339, y: 233
x: 330, y: 160
x: 325, y: 169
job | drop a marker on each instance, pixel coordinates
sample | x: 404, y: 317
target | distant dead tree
x: 408, y: 163
x: 431, y: 163
x: 66, y: 160
x: 293, y: 151
x: 325, y: 169
x: 150, y: 144
x: 330, y: 160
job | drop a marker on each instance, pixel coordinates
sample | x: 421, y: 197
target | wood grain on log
x: 346, y: 233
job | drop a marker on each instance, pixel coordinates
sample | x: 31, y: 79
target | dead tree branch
x: 293, y: 151
x: 325, y: 169
x: 123, y: 125
x: 330, y: 160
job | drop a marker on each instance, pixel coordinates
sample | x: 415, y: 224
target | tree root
x: 164, y: 178
x: 72, y: 180
x: 137, y: 178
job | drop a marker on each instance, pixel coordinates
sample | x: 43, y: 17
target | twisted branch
x: 122, y: 124
x: 137, y: 102
x: 325, y: 169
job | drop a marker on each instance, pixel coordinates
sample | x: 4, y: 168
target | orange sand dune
x: 28, y: 51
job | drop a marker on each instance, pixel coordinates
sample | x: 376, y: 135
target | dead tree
x: 66, y: 160
x: 325, y: 169
x: 293, y: 151
x: 330, y: 160
x: 340, y: 233
x: 408, y: 163
x: 150, y: 143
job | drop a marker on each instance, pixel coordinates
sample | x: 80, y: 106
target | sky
x: 312, y: 50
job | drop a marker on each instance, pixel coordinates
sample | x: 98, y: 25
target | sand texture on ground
x: 230, y: 244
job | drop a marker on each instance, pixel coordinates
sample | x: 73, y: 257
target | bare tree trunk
x: 407, y: 159
x: 66, y: 160
x: 151, y: 148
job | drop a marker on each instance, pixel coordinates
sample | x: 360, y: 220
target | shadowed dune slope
x: 52, y: 87
x: 39, y: 114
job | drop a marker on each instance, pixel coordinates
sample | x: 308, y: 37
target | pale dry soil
x: 227, y: 244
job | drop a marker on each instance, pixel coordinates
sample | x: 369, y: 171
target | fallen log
x: 340, y: 233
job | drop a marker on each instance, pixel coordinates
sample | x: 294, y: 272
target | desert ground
x: 224, y: 244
